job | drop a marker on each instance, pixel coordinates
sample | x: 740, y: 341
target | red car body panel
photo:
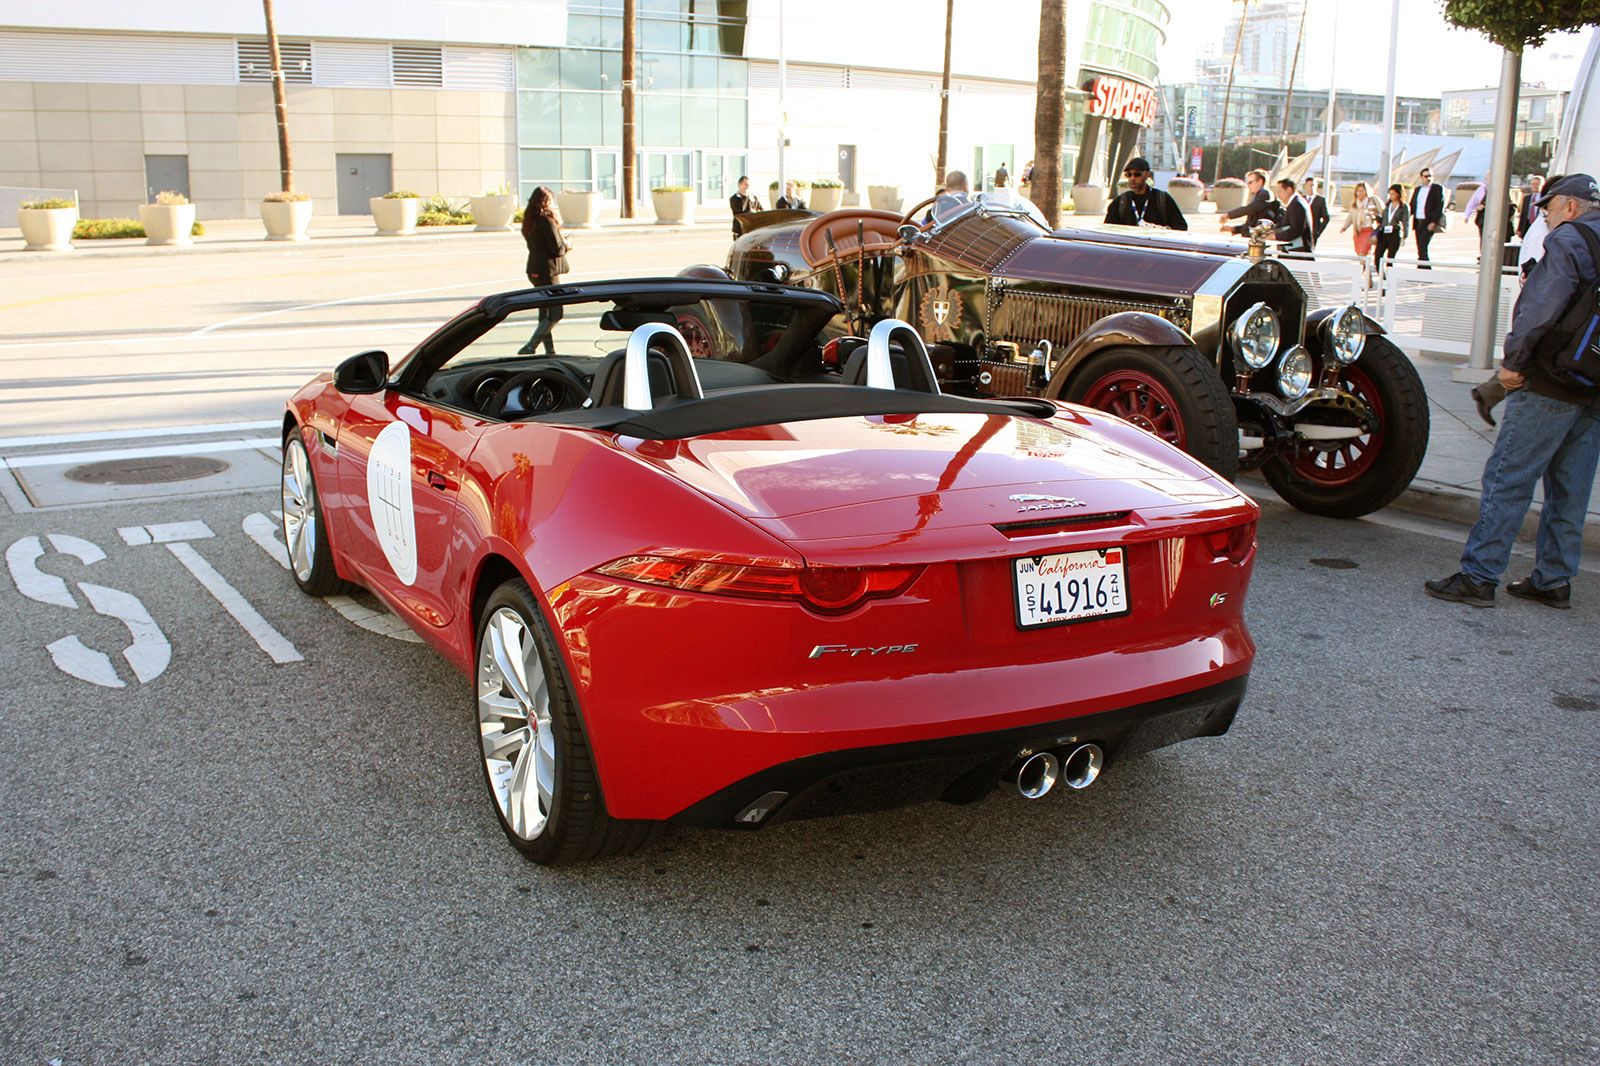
x: 683, y: 694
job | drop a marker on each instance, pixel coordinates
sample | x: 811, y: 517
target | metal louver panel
x: 480, y: 68
x: 904, y: 83
x: 347, y: 64
x: 124, y: 58
x: 765, y: 76
x: 255, y: 62
x: 418, y: 65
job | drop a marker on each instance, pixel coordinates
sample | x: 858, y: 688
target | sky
x: 1434, y: 56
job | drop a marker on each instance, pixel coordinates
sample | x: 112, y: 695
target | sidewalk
x: 1451, y: 479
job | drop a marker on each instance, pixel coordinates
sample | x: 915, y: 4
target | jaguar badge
x: 1035, y: 502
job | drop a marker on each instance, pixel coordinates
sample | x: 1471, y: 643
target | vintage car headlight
x: 1294, y: 373
x: 1344, y: 335
x: 1255, y: 336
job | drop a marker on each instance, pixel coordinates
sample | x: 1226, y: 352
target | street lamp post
x: 1486, y: 314
x: 1387, y: 163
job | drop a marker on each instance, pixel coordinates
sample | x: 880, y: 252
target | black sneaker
x: 1559, y: 597
x: 1459, y: 588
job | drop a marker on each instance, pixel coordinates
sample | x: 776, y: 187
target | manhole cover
x: 147, y: 470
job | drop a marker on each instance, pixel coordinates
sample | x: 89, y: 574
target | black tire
x: 1404, y: 425
x: 577, y: 827
x: 321, y: 578
x: 1208, y: 427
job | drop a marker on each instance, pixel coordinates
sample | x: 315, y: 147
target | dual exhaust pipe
x: 1035, y: 776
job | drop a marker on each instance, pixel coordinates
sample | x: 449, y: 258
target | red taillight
x: 1233, y: 543
x: 824, y: 589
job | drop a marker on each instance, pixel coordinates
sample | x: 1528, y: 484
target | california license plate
x: 1070, y: 587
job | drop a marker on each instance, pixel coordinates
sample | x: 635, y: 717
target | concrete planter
x: 884, y: 197
x: 673, y: 208
x: 1463, y: 194
x: 47, y: 229
x: 167, y: 224
x: 286, y: 220
x: 1228, y: 197
x: 1088, y: 200
x: 1187, y: 196
x: 493, y: 212
x: 579, y: 210
x: 394, y: 216
x: 825, y: 199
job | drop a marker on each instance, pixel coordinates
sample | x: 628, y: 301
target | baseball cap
x: 1577, y: 186
x: 1138, y: 162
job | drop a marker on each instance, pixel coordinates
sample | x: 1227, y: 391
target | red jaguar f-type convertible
x: 781, y: 577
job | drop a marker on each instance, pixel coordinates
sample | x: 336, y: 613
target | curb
x: 1461, y: 508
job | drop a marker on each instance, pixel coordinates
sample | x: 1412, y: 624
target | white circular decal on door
x: 389, y: 499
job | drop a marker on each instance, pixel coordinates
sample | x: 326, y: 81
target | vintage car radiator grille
x: 1005, y: 379
x: 1024, y: 317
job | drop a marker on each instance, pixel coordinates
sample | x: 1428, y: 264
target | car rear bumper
x: 959, y: 769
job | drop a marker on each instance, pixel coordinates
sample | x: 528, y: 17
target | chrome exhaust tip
x: 1081, y: 768
x: 1036, y: 775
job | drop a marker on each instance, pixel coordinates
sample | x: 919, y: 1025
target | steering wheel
x: 537, y: 392
x: 909, y: 218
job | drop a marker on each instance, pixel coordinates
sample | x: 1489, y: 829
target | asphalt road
x: 271, y: 842
x: 1389, y: 859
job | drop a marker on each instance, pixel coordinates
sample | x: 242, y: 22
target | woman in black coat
x: 1393, y: 222
x: 547, y: 261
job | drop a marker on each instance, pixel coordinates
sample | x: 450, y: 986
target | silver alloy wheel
x: 299, y: 510
x: 519, y: 747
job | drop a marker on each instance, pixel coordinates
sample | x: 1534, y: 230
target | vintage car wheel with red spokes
x: 536, y: 760
x: 1171, y: 392
x: 1358, y: 475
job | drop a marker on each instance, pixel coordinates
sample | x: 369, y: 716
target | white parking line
x: 370, y: 298
x: 134, y: 434
x: 195, y: 448
x: 272, y: 642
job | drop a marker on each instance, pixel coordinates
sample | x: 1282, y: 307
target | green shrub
x: 54, y: 203
x: 105, y: 229
x: 284, y: 198
x: 827, y: 183
x: 799, y: 183
x: 499, y: 190
x: 444, y: 218
x: 401, y: 194
x: 672, y: 188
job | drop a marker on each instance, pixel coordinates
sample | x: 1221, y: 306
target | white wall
x: 504, y: 22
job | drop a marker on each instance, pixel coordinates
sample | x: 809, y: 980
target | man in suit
x: 1530, y: 205
x: 1319, y: 208
x: 790, y: 198
x: 1259, y: 207
x: 1295, y: 228
x: 742, y: 202
x: 1143, y: 204
x: 1427, y: 216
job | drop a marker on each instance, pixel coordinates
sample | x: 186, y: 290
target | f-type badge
x: 1034, y: 502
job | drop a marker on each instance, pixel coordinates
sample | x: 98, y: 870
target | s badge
x: 1218, y: 599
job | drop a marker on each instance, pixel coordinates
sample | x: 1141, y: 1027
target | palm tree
x: 1294, y: 66
x: 944, y: 100
x: 280, y: 102
x: 1227, y: 96
x: 1050, y: 110
x: 629, y: 141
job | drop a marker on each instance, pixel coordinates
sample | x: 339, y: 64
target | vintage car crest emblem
x: 938, y: 308
x: 1034, y: 502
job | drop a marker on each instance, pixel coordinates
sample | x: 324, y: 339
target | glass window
x: 701, y: 74
x: 660, y: 72
x: 538, y: 118
x: 580, y: 118
x: 611, y: 70
x: 606, y: 176
x: 541, y: 166
x: 700, y: 122
x: 580, y: 69
x: 704, y: 37
x: 575, y: 171
x: 659, y: 35
x: 585, y: 30
x: 538, y: 68
x: 733, y: 130
x: 668, y: 7
x: 735, y: 75
x: 661, y: 120
x: 611, y: 118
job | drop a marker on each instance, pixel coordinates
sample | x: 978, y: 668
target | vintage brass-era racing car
x: 1209, y: 345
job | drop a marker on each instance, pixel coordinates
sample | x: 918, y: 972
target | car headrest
x: 884, y: 364
x: 656, y: 363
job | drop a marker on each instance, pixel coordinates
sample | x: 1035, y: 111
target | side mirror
x: 363, y: 373
x: 908, y: 232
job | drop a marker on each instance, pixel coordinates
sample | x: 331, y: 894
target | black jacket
x: 796, y: 204
x: 742, y: 205
x: 1432, y: 213
x: 545, y: 245
x: 1294, y: 229
x: 1527, y: 213
x: 1319, y: 217
x: 1155, y: 207
x: 1261, y: 207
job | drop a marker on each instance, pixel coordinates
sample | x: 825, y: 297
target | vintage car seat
x: 907, y: 361
x: 660, y: 352
x: 850, y: 227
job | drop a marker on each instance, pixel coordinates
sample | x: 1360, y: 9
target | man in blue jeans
x: 1549, y: 431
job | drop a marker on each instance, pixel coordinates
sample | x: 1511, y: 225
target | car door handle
x: 438, y: 481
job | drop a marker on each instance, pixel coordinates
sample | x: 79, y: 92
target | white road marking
x: 263, y: 529
x: 195, y: 448
x: 85, y: 551
x: 165, y: 533
x: 303, y: 331
x: 22, y: 559
x: 272, y: 642
x: 134, y: 434
x: 370, y: 298
x: 75, y: 660
x: 150, y: 651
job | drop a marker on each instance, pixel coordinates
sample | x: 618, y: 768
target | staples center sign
x: 1119, y: 98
